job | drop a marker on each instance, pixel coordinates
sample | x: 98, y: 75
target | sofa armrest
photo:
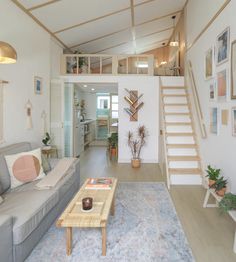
x: 6, y: 238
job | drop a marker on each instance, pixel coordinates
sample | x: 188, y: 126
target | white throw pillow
x: 25, y: 167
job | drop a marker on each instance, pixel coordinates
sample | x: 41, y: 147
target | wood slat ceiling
x: 106, y: 26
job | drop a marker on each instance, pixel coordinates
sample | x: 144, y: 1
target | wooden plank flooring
x: 209, y: 233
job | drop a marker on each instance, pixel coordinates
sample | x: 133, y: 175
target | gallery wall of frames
x: 220, y: 73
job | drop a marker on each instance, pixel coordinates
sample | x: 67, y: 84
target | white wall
x: 148, y: 115
x: 33, y: 46
x: 199, y: 13
x: 90, y: 105
x: 215, y: 150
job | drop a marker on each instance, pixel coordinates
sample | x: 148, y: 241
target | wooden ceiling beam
x: 100, y: 17
x: 39, y: 23
x: 160, y: 31
x: 42, y: 5
x: 146, y: 22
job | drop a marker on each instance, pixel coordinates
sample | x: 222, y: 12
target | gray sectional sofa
x: 26, y: 213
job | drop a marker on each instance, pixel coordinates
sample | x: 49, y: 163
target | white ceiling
x: 107, y: 26
x: 98, y: 87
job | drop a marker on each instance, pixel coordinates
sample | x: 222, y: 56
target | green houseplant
x: 227, y: 203
x: 136, y: 144
x: 113, y: 144
x: 212, y: 174
x: 220, y: 186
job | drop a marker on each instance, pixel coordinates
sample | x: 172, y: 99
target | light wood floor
x: 209, y: 234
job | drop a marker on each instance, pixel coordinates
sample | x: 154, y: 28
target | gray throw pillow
x: 1, y: 200
x: 45, y: 164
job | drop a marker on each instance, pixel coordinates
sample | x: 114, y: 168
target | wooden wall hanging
x: 135, y: 105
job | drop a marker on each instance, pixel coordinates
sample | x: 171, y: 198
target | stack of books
x: 99, y: 183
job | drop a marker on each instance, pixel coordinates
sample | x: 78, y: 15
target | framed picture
x: 38, y: 85
x: 212, y: 91
x: 233, y: 70
x: 222, y: 47
x: 224, y: 117
x: 222, y: 85
x: 214, y: 121
x: 209, y: 63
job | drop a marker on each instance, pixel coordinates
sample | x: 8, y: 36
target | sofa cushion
x: 4, y: 174
x: 28, y: 207
x: 25, y: 167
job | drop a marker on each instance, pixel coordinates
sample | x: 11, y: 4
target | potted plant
x: 220, y: 186
x: 136, y: 144
x: 212, y: 174
x: 227, y: 203
x: 83, y: 66
x: 113, y: 144
x: 46, y: 141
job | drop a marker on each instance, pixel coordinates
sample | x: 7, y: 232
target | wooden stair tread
x: 179, y: 134
x: 178, y: 123
x: 176, y: 114
x: 174, y: 95
x: 185, y: 171
x: 183, y: 158
x: 170, y: 104
x: 173, y: 87
x: 181, y: 146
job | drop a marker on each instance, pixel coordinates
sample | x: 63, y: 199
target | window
x: 1, y: 113
x: 114, y: 106
x: 103, y: 102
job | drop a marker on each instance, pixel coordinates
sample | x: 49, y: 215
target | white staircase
x: 183, y: 163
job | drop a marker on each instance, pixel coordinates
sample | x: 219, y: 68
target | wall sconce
x: 8, y: 54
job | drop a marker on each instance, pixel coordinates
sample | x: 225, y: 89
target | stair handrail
x: 164, y: 135
x: 196, y: 100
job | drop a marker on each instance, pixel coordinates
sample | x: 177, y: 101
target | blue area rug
x: 145, y: 229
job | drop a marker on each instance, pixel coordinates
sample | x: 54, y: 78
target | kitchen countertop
x: 87, y: 121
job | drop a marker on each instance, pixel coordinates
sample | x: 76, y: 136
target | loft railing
x: 196, y: 101
x: 102, y: 64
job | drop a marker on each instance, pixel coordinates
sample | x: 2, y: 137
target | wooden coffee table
x: 104, y: 202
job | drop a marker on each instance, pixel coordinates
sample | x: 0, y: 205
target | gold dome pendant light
x: 8, y: 54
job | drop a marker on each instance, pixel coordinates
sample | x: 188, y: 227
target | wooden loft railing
x: 196, y: 101
x: 102, y: 64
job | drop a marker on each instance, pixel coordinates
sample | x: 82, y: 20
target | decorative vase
x: 84, y: 69
x: 135, y: 162
x: 221, y: 192
x: 211, y: 182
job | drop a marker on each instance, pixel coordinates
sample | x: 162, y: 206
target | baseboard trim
x: 145, y: 161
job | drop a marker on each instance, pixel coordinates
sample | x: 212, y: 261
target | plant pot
x: 113, y: 151
x: 221, y: 192
x: 211, y: 182
x: 136, y: 162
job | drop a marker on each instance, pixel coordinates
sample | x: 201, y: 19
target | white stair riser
x: 176, y: 109
x: 186, y: 179
x: 178, y: 119
x: 179, y: 129
x: 174, y: 92
x: 180, y: 140
x: 172, y: 81
x: 182, y: 152
x: 183, y: 164
x: 175, y: 100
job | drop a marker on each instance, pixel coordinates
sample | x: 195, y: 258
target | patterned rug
x: 145, y: 229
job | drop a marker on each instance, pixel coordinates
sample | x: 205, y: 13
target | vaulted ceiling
x: 106, y: 26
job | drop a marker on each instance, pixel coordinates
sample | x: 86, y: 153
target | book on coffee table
x: 99, y: 183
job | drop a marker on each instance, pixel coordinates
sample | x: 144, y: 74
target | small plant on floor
x: 113, y: 144
x: 228, y: 203
x: 220, y: 186
x: 212, y: 174
x: 46, y: 140
x: 136, y: 144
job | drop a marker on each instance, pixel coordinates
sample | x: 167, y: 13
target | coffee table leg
x: 104, y: 241
x: 113, y: 206
x: 68, y: 240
